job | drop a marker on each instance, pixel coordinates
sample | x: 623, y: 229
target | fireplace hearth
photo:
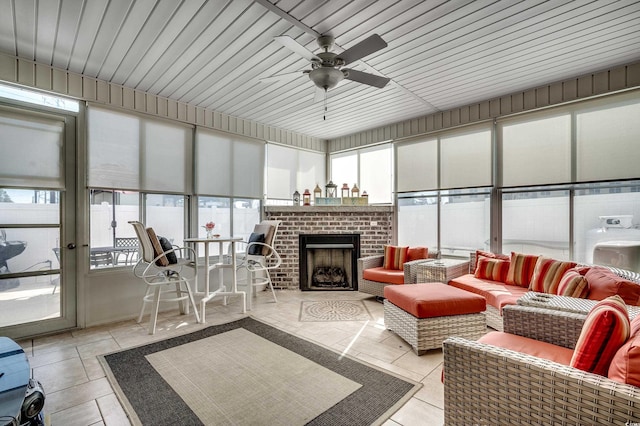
x: 328, y: 261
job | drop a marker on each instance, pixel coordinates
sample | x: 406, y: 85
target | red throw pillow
x: 547, y: 275
x: 604, y: 331
x: 521, y: 269
x: 492, y: 269
x: 394, y: 257
x: 604, y: 283
x: 625, y: 365
x: 572, y: 284
x: 417, y: 253
x: 482, y: 253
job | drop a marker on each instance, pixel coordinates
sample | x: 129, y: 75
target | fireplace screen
x: 328, y: 262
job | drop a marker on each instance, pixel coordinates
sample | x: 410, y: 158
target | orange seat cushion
x: 434, y: 300
x: 528, y: 346
x: 381, y: 275
x: 497, y: 294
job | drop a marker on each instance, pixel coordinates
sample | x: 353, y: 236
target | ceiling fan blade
x: 296, y: 47
x: 367, y: 46
x: 281, y: 77
x: 366, y: 78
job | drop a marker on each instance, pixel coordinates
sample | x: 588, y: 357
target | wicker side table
x: 441, y: 270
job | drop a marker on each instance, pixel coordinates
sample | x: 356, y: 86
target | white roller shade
x: 281, y: 172
x: 376, y: 173
x: 228, y: 165
x: 135, y: 153
x: 465, y: 159
x: 31, y: 149
x: 608, y: 140
x: 311, y: 171
x: 536, y: 151
x: 417, y: 166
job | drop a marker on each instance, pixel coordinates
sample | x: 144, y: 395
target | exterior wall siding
x: 38, y: 76
x: 583, y: 87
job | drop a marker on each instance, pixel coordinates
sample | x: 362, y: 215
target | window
x: 370, y: 168
x: 418, y: 219
x: 290, y: 170
x: 603, y: 213
x: 536, y: 221
x: 464, y: 221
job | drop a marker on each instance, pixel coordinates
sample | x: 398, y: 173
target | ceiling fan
x: 326, y: 67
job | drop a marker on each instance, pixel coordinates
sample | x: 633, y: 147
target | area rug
x: 334, y: 310
x: 247, y: 372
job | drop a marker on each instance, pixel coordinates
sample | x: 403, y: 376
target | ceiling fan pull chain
x: 324, y: 117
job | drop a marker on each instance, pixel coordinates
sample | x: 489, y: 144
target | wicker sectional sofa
x: 489, y: 385
x: 500, y: 294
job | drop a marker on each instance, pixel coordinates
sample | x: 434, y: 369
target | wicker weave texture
x: 565, y: 304
x: 429, y: 333
x: 552, y: 326
x: 487, y: 385
x: 442, y: 270
x: 494, y: 319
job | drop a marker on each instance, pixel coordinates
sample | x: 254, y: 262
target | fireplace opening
x: 328, y: 261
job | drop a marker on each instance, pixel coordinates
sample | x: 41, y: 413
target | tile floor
x: 78, y: 393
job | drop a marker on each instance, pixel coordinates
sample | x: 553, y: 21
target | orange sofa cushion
x: 497, y: 294
x: 625, y: 365
x: 381, y: 275
x: 604, y: 283
x: 416, y: 253
x: 434, y: 300
x: 528, y: 346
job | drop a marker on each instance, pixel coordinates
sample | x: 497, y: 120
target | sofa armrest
x: 488, y: 385
x: 368, y: 262
x: 547, y: 325
x: 411, y: 270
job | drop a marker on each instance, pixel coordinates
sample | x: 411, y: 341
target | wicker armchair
x: 486, y: 384
x: 377, y: 288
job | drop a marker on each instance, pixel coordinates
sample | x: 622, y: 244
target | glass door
x: 37, y: 222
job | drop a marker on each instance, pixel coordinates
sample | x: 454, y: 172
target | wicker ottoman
x: 424, y: 315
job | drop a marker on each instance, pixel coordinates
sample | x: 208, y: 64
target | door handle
x: 71, y: 246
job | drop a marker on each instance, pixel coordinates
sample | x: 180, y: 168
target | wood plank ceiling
x: 213, y: 53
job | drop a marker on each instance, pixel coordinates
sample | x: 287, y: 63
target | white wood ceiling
x: 213, y: 53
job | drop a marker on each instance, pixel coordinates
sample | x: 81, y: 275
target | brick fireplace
x: 374, y: 224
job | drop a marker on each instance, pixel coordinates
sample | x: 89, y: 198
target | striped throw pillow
x: 547, y: 275
x: 394, y: 257
x: 604, y: 331
x: 521, y: 269
x: 486, y: 254
x: 573, y: 284
x: 492, y: 269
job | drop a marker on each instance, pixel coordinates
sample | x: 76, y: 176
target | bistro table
x: 221, y: 265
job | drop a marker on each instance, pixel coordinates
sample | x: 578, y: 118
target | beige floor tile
x: 53, y: 355
x: 433, y: 390
x: 79, y: 415
x: 417, y: 412
x: 101, y: 347
x: 77, y: 395
x: 112, y: 411
x: 61, y: 375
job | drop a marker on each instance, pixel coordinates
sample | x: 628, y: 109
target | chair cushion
x: 382, y: 275
x: 157, y: 248
x: 417, y: 253
x: 521, y: 269
x: 604, y: 331
x: 256, y: 250
x: 269, y: 231
x: 547, y: 274
x: 394, y: 257
x: 604, y: 283
x: 528, y: 346
x: 497, y: 294
x: 166, y: 246
x: 625, y: 365
x: 573, y: 284
x: 492, y: 269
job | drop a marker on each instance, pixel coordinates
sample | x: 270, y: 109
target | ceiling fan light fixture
x: 326, y: 78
